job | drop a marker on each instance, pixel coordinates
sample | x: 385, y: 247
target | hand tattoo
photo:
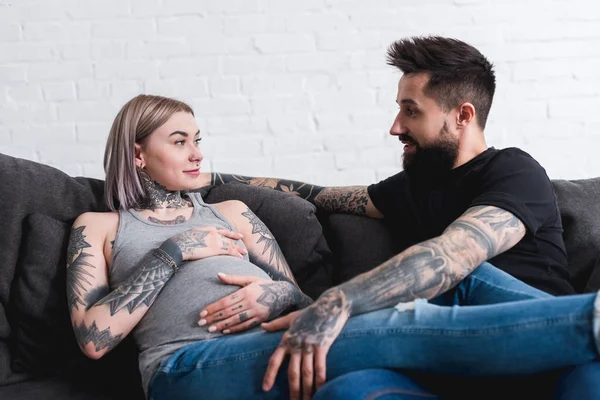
x: 190, y: 240
x: 320, y: 323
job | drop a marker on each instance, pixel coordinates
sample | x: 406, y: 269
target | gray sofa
x: 39, y: 358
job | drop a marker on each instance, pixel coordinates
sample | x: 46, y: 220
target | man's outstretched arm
x: 345, y: 199
x: 434, y: 266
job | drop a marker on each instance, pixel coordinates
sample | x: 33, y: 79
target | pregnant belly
x: 175, y: 313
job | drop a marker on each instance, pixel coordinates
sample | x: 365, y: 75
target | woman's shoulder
x: 231, y: 206
x: 98, y: 220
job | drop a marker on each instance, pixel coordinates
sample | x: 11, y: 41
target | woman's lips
x: 193, y: 172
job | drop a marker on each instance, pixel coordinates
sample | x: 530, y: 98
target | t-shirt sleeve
x: 388, y: 195
x: 517, y: 183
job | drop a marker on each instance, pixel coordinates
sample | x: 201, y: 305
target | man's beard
x: 434, y: 159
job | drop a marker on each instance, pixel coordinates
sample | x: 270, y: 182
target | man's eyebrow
x: 407, y: 101
x: 182, y: 133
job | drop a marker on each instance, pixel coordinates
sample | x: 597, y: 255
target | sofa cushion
x: 294, y: 224
x: 593, y: 283
x: 29, y: 187
x: 62, y: 388
x: 49, y: 388
x: 42, y: 339
x: 580, y: 211
x: 360, y: 244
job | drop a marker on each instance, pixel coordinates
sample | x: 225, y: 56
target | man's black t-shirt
x: 509, y: 179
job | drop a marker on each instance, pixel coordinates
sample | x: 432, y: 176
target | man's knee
x: 373, y: 384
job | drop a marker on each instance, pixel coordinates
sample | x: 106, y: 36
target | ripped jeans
x: 534, y: 333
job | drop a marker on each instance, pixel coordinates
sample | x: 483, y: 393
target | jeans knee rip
x: 409, y: 306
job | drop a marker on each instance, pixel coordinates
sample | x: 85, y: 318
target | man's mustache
x: 406, y: 139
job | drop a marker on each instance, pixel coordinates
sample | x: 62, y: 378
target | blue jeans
x: 375, y: 384
x: 508, y: 339
x: 576, y: 383
x: 580, y: 382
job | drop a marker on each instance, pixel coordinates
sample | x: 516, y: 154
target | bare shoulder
x: 97, y: 224
x: 232, y: 207
x: 234, y: 211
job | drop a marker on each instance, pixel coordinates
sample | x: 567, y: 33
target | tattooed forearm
x: 304, y: 190
x: 351, y: 199
x: 430, y: 268
x: 77, y: 269
x: 102, y: 339
x: 281, y: 297
x: 276, y: 259
x: 141, y: 288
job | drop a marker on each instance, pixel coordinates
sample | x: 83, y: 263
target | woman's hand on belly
x: 209, y: 241
x: 258, y: 300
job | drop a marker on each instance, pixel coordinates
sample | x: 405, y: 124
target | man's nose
x: 397, y: 127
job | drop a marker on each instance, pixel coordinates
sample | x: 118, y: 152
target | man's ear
x: 466, y: 115
x: 138, y: 156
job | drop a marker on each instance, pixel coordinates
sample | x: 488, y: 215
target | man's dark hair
x: 457, y: 71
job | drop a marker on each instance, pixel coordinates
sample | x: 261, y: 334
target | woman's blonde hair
x: 141, y: 116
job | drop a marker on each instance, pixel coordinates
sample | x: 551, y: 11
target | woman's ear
x: 138, y: 156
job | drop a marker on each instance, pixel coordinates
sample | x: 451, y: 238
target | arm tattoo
x: 276, y: 258
x: 281, y: 297
x: 303, y: 190
x: 351, y: 199
x: 430, y: 268
x: 95, y: 295
x: 77, y: 273
x: 141, y: 288
x: 101, y: 339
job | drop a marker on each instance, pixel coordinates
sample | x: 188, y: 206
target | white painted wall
x: 290, y: 88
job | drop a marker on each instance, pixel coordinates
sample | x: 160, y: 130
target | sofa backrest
x: 579, y: 203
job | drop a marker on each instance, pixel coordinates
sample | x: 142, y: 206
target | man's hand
x: 312, y: 332
x: 259, y: 300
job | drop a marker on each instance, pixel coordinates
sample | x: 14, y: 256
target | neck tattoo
x: 157, y: 196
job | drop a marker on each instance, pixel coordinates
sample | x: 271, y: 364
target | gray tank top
x: 172, y: 321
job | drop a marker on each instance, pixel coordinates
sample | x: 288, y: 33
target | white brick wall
x: 290, y: 88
